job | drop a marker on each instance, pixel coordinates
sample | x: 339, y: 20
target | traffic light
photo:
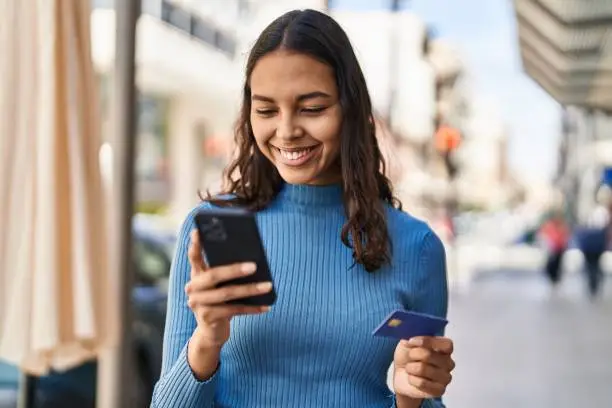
x: 447, y: 140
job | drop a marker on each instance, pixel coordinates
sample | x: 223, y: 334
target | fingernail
x: 264, y: 286
x: 415, y: 341
x: 248, y: 268
x: 265, y: 309
x: 187, y: 288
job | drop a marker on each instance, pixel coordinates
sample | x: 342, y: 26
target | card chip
x: 394, y: 322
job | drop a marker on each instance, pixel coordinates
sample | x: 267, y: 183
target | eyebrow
x: 300, y: 98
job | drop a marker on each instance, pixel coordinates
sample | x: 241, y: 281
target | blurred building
x: 418, y: 87
x: 564, y: 48
x: 190, y: 71
x: 188, y: 76
x: 393, y: 53
x: 452, y: 102
x: 583, y: 157
x: 484, y: 181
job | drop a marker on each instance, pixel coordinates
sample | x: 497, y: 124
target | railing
x: 184, y: 20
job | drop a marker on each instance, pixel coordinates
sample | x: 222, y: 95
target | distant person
x: 342, y: 253
x: 554, y: 234
x: 600, y: 215
x: 595, y: 240
x: 593, y: 243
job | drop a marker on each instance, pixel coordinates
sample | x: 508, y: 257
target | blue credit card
x: 404, y: 325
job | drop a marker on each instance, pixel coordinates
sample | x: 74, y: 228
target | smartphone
x: 230, y: 236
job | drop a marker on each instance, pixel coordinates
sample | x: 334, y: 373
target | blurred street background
x: 494, y: 115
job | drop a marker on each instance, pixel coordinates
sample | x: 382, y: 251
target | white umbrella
x: 53, y: 246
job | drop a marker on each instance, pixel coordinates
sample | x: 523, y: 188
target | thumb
x: 195, y: 254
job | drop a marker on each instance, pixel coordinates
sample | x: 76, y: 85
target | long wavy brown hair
x: 252, y: 181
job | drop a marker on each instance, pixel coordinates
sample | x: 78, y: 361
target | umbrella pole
x: 123, y: 147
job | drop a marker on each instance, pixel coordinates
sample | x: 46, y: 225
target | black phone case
x: 230, y: 236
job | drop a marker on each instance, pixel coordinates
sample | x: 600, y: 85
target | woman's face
x: 296, y: 117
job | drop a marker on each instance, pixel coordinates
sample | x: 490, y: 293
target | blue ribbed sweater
x: 314, y: 348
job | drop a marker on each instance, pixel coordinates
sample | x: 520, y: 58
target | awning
x: 564, y: 47
x: 53, y: 246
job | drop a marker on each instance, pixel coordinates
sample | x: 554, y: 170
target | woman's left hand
x: 423, y: 367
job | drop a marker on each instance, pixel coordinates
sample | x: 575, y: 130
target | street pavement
x: 519, y: 345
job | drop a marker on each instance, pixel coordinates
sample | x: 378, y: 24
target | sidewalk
x: 518, y: 346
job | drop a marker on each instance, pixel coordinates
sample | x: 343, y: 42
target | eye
x: 265, y: 112
x: 314, y: 109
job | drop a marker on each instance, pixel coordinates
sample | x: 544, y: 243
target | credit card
x: 404, y: 325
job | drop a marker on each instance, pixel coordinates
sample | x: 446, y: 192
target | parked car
x: 76, y: 388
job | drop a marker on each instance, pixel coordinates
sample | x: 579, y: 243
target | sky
x: 485, y: 33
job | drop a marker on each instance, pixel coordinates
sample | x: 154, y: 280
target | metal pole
x: 123, y: 147
x: 27, y: 391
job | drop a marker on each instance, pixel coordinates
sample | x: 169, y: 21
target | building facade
x: 190, y: 61
x: 184, y: 100
x: 564, y: 49
x: 585, y: 154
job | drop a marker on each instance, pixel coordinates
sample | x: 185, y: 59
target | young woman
x: 342, y: 254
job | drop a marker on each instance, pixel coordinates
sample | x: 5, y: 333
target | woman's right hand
x: 208, y: 302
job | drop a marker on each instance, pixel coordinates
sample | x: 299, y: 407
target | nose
x: 287, y: 128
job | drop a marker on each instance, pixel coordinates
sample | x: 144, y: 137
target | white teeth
x: 294, y: 155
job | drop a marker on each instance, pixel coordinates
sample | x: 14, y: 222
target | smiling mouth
x: 296, y: 157
x: 294, y: 154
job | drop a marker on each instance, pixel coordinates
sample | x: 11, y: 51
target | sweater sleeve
x: 432, y: 286
x: 177, y: 386
x: 431, y: 295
